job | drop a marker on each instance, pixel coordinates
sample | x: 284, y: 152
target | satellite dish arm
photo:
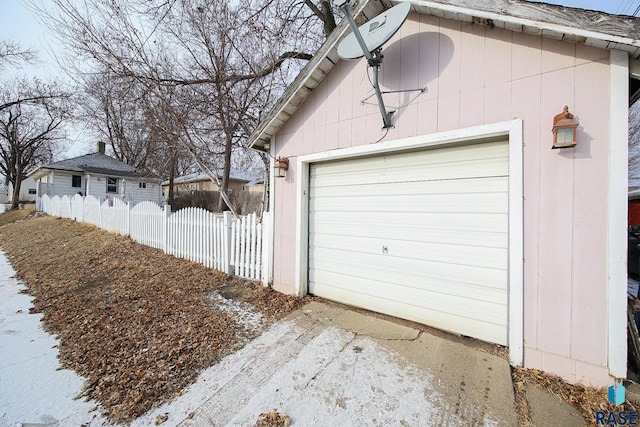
x: 374, y: 61
x: 386, y: 117
x: 354, y: 28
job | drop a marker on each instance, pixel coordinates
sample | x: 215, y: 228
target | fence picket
x: 89, y: 209
x: 254, y: 232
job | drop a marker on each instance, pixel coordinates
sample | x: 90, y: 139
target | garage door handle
x: 385, y: 249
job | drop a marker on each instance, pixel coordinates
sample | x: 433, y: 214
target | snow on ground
x: 33, y: 388
x: 251, y: 322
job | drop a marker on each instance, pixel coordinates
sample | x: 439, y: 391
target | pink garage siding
x: 477, y: 75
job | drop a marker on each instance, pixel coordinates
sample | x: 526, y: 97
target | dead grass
x: 137, y: 323
x: 587, y: 400
x: 16, y: 215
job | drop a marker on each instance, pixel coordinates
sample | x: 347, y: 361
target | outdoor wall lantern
x: 564, y: 129
x: 280, y: 167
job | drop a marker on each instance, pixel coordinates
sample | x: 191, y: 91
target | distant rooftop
x: 97, y: 163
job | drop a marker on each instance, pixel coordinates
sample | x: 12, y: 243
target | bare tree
x: 115, y: 112
x: 11, y: 54
x: 29, y: 131
x: 224, y: 62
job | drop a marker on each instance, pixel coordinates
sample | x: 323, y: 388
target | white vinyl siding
x: 420, y: 235
x: 135, y: 193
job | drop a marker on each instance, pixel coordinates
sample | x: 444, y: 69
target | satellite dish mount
x: 367, y: 41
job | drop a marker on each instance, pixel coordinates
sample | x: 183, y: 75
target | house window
x: 142, y: 185
x: 112, y: 185
x: 76, y: 181
x: 32, y: 191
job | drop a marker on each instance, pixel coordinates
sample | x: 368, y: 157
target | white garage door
x: 420, y: 235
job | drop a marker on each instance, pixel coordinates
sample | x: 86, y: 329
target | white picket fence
x: 220, y: 241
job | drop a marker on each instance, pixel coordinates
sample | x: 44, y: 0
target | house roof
x: 588, y: 27
x: 201, y: 176
x: 97, y: 163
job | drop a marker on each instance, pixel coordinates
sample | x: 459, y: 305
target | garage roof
x: 588, y: 27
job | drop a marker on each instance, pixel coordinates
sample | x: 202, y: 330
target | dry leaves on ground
x: 140, y: 325
x: 273, y: 419
x: 587, y: 400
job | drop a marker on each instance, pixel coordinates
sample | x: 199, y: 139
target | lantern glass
x: 565, y: 135
x: 280, y: 172
x: 564, y: 129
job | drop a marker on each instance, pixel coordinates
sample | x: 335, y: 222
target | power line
x: 623, y: 6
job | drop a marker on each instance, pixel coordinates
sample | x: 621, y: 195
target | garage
x: 421, y: 235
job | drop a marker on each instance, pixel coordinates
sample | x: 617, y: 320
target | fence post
x: 266, y: 233
x: 226, y: 242
x: 165, y: 227
x: 100, y: 212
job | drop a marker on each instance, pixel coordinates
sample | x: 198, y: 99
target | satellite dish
x: 367, y: 41
x: 374, y: 33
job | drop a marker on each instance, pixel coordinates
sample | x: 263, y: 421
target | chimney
x: 101, y: 147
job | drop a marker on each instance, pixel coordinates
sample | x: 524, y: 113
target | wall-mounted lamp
x: 280, y: 167
x: 564, y: 129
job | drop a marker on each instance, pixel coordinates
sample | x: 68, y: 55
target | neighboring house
x: 4, y: 194
x: 200, y: 182
x: 27, y: 191
x: 462, y: 216
x: 256, y: 186
x: 97, y: 175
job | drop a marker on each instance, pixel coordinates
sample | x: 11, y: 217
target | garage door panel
x: 421, y: 235
x: 419, y: 160
x: 430, y: 234
x: 418, y: 250
x: 475, y: 283
x: 453, y: 322
x: 444, y: 203
x: 491, y: 184
x: 414, y: 270
x: 469, y: 222
x: 467, y: 170
x: 465, y: 306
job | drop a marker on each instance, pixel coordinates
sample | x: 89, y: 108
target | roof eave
x: 307, y: 80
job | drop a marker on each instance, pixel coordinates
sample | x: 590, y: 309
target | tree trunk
x: 15, y: 201
x: 172, y: 175
x: 328, y: 20
x: 222, y: 206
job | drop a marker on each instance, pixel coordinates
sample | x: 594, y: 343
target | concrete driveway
x: 325, y: 365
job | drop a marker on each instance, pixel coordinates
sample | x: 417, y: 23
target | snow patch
x: 33, y: 388
x: 250, y: 322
